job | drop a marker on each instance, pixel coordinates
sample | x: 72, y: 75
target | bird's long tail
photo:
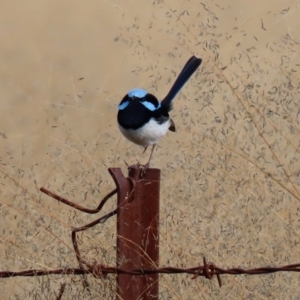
x: 190, y: 67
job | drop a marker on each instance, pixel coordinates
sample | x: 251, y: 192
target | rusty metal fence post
x: 138, y: 233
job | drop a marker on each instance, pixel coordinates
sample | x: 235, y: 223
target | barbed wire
x: 207, y: 270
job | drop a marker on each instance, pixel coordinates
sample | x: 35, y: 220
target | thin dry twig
x: 61, y: 291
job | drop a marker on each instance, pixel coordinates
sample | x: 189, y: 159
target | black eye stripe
x: 125, y: 99
x: 152, y: 99
x: 149, y: 98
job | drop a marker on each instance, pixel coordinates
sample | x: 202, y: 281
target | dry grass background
x: 230, y: 175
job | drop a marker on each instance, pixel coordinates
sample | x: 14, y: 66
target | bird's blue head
x: 147, y: 100
x: 137, y: 93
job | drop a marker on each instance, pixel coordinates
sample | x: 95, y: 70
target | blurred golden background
x: 230, y: 186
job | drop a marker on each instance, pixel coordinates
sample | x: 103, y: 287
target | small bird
x: 143, y: 120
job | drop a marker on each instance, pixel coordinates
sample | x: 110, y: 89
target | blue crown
x: 138, y: 93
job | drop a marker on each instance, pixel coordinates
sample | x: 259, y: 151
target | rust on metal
x: 138, y: 232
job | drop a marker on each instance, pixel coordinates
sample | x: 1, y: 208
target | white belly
x: 147, y: 135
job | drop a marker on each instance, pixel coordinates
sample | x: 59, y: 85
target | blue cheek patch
x: 138, y: 93
x: 150, y: 105
x: 123, y: 105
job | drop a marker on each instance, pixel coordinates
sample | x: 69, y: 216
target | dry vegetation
x: 230, y: 184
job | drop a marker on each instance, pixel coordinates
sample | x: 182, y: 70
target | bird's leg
x: 147, y: 165
x: 138, y: 163
x: 152, y: 150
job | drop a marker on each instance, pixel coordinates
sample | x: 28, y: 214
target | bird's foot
x: 135, y: 166
x: 142, y: 168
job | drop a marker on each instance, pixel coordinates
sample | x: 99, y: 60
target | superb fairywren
x: 143, y: 120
